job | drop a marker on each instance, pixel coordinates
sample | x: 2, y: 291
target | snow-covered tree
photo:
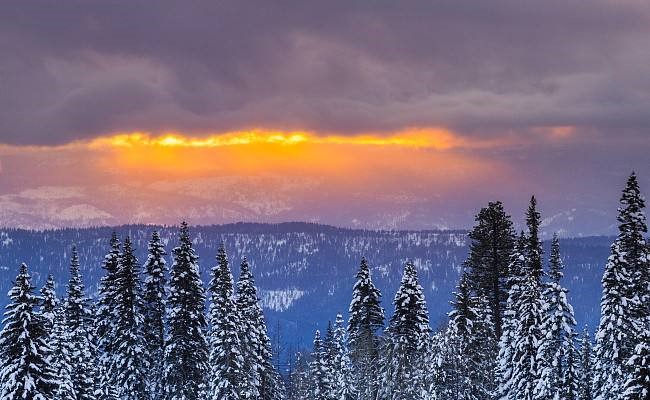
x: 60, y: 360
x: 49, y: 303
x: 406, y: 342
x: 571, y: 379
x: 154, y: 299
x: 558, y: 328
x: 366, y: 319
x: 624, y: 302
x: 24, y: 349
x: 320, y: 385
x: 342, y: 384
x: 106, y: 322
x: 79, y: 325
x: 585, y: 374
x: 637, y: 386
x: 228, y: 378
x: 186, y: 349
x: 129, y: 365
x: 256, y: 344
x: 491, y: 244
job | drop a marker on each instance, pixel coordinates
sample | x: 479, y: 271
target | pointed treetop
x: 555, y: 261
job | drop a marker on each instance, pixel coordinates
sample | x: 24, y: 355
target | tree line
x: 511, y: 334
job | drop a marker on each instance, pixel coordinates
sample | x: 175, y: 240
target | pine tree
x: 624, y: 302
x: 154, y: 299
x: 186, y: 349
x: 60, y: 360
x: 320, y: 385
x: 504, y: 369
x: 228, y: 380
x: 256, y: 343
x: 343, y: 389
x: 366, y: 319
x: 585, y: 374
x: 571, y: 379
x: 79, y: 325
x: 637, y: 386
x: 129, y: 367
x: 49, y: 303
x: 491, y: 244
x: 406, y: 341
x: 24, y: 350
x: 533, y: 249
x: 558, y: 328
x: 106, y: 322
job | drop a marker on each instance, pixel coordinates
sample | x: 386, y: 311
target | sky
x: 366, y: 114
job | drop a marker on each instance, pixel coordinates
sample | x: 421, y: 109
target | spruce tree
x: 228, y: 380
x: 343, y: 385
x: 637, y: 386
x: 129, y: 367
x: 320, y: 385
x: 49, y: 303
x: 366, y: 319
x: 106, y: 322
x: 558, y: 329
x: 60, y: 360
x: 24, y: 349
x: 406, y: 341
x: 154, y: 299
x: 585, y: 373
x: 491, y: 244
x: 624, y: 302
x: 79, y: 325
x: 186, y: 349
x: 256, y: 343
x: 570, y: 382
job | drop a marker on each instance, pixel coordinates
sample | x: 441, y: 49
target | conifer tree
x: 571, y: 379
x: 228, y: 380
x: 106, y: 322
x: 343, y: 389
x: 406, y: 341
x: 79, y: 325
x: 624, y: 302
x: 129, y: 367
x: 491, y: 244
x: 49, y: 303
x: 255, y: 339
x: 320, y: 385
x: 366, y: 319
x: 60, y: 360
x: 24, y: 351
x: 505, y: 363
x: 154, y: 299
x: 585, y: 374
x: 186, y: 349
x: 637, y: 386
x: 558, y: 328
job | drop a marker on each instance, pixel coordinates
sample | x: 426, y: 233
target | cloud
x: 75, y: 70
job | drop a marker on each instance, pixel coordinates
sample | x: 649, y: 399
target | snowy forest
x: 157, y: 332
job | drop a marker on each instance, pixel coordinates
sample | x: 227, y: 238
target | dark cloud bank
x: 74, y: 70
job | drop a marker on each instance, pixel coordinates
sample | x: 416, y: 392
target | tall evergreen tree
x: 366, y: 319
x: 49, y: 303
x: 343, y: 385
x: 320, y: 385
x: 228, y: 380
x: 106, y: 322
x: 154, y: 299
x: 406, y: 342
x: 558, y: 329
x: 571, y: 379
x: 256, y: 343
x: 129, y: 366
x: 637, y: 386
x: 586, y: 373
x: 79, y: 325
x: 186, y: 349
x: 491, y: 244
x: 533, y: 250
x: 60, y: 360
x: 24, y: 350
x: 624, y: 302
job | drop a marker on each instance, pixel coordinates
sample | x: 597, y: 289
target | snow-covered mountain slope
x: 305, y: 272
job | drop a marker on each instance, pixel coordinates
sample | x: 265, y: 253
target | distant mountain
x: 304, y: 271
